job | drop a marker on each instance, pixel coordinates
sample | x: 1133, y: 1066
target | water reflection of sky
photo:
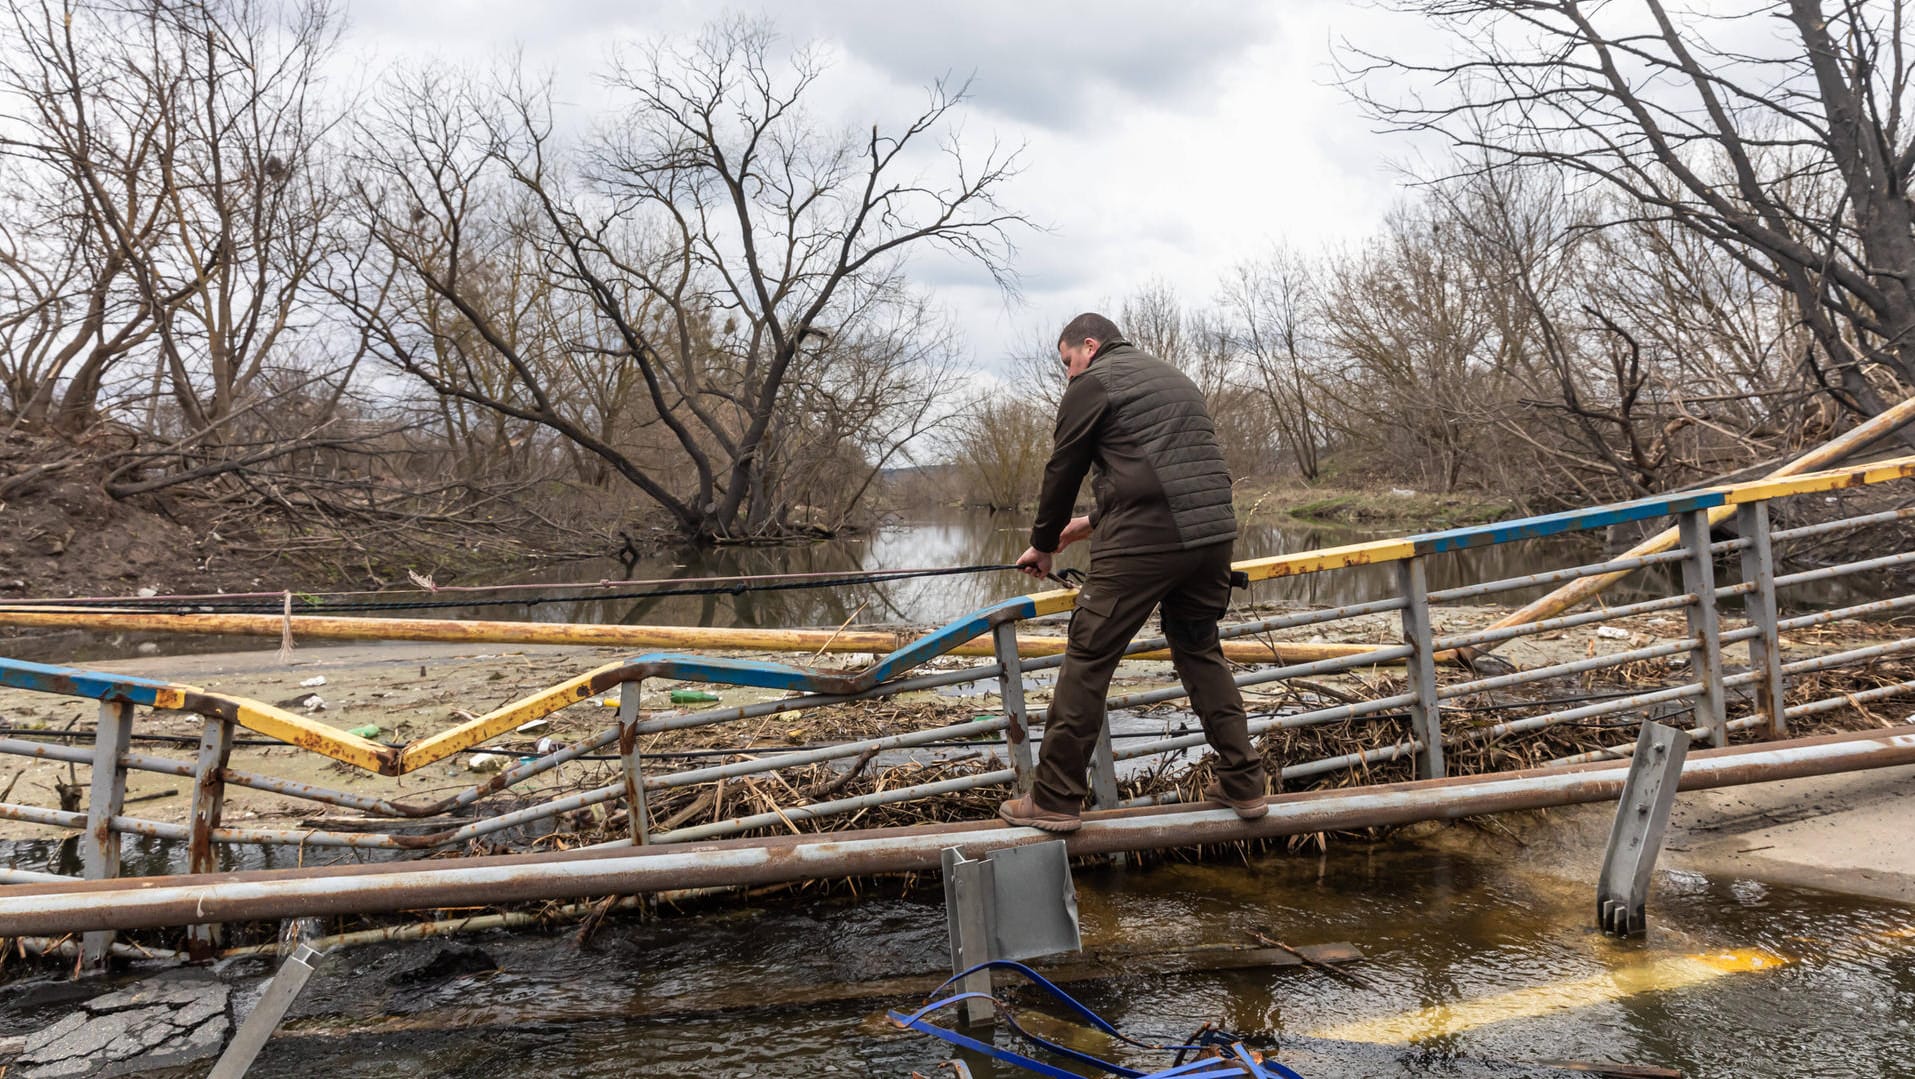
x: 958, y: 538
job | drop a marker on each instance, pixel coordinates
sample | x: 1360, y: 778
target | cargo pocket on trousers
x: 1099, y: 601
x: 1095, y: 606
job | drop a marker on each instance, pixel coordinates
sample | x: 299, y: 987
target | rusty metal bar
x: 1301, y: 719
x: 1765, y: 648
x: 1838, y: 614
x: 1828, y: 572
x: 1350, y: 760
x: 209, y: 798
x: 51, y: 818
x: 1593, y: 663
x: 1568, y: 621
x: 107, y: 905
x: 1843, y: 525
x: 1837, y: 659
x: 1849, y: 700
x: 100, y: 843
x: 1536, y: 580
x: 10, y: 875
x: 1426, y: 709
x: 631, y: 764
x: 1274, y: 674
x: 794, y: 814
x: 1705, y: 659
x: 46, y: 751
x: 1010, y: 691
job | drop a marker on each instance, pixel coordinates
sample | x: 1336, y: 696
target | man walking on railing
x: 1160, y: 534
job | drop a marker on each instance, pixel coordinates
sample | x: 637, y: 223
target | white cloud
x: 1161, y: 141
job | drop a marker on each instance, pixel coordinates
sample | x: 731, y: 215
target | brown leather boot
x: 1245, y: 808
x: 1025, y: 811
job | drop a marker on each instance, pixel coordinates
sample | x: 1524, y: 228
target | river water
x: 958, y: 538
x: 1510, y: 949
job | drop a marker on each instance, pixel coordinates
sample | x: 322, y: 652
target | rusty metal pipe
x: 1843, y: 525
x: 343, y: 628
x: 152, y: 902
x: 1333, y: 714
x: 1619, y: 566
x: 1593, y: 663
x: 1569, y: 621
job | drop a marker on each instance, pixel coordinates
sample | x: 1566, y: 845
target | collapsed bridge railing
x: 1693, y: 591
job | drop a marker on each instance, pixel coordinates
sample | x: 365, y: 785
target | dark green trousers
x: 1193, y: 589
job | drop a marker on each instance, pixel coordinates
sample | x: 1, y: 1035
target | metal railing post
x: 1705, y: 659
x: 968, y: 887
x: 632, y: 765
x: 100, y: 846
x: 209, y: 798
x: 1426, y: 715
x: 1010, y: 688
x: 258, y: 1027
x: 1758, y: 605
x: 1103, y: 770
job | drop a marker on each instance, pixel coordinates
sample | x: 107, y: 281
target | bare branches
x: 694, y: 272
x: 1793, y: 154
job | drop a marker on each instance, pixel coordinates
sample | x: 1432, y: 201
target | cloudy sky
x: 1161, y: 141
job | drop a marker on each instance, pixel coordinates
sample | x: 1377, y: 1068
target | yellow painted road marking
x: 1669, y: 972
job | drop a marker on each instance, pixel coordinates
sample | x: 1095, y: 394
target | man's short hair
x: 1092, y: 325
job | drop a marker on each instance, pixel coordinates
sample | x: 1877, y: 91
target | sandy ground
x: 1848, y: 833
x: 1839, y: 828
x: 1852, y: 833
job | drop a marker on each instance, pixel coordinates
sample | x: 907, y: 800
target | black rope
x: 311, y: 604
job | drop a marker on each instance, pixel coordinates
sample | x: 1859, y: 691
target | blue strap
x: 1050, y: 1071
x: 1268, y: 1067
x: 1041, y: 982
x: 915, y: 1021
x: 1204, y: 1068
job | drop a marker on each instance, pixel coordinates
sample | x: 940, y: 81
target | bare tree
x: 179, y: 201
x: 1271, y: 305
x: 1412, y: 329
x: 717, y: 242
x: 1003, y: 441
x: 1793, y: 153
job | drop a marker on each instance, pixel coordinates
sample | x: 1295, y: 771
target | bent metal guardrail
x: 1422, y: 649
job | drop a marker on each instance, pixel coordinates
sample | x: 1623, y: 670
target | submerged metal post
x: 1758, y: 605
x: 100, y: 846
x: 266, y: 1015
x: 1033, y: 884
x: 1635, y: 839
x: 632, y: 765
x: 967, y: 896
x: 1705, y: 659
x: 1426, y: 716
x: 209, y: 798
x: 1010, y: 688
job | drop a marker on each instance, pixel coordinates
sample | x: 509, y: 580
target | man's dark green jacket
x: 1159, y: 476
